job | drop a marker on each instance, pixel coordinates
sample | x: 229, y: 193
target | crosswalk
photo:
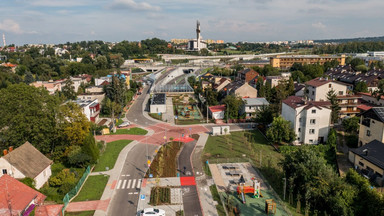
x: 124, y: 184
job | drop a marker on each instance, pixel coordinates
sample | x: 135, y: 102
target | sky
x: 59, y: 21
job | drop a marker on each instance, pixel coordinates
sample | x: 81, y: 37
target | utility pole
x: 207, y: 113
x: 285, y: 185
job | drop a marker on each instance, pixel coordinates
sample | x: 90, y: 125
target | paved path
x: 88, y: 206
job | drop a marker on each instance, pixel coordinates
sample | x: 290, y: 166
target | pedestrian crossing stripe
x: 129, y: 184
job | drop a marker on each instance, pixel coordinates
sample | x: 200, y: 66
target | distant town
x: 192, y: 127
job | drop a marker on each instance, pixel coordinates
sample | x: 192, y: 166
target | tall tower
x: 4, y: 40
x: 198, y: 34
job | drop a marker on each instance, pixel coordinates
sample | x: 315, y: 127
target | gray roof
x: 372, y: 152
x: 28, y: 160
x: 255, y: 101
x: 158, y: 99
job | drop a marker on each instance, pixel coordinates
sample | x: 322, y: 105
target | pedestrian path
x: 124, y: 184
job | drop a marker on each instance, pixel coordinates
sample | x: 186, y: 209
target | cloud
x: 11, y: 26
x: 318, y: 25
x: 132, y: 5
x: 57, y: 3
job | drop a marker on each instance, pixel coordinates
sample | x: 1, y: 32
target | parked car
x: 124, y: 124
x: 152, y: 212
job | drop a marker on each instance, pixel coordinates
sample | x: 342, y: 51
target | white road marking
x: 118, y: 184
x: 139, y: 183
x: 136, y: 193
x: 129, y: 184
x: 130, y: 193
x: 122, y: 186
x: 133, y: 183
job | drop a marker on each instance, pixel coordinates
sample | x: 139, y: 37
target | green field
x: 131, y: 131
x: 109, y: 157
x: 83, y: 213
x: 93, y: 188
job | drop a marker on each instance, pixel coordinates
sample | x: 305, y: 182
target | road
x: 135, y: 113
x: 191, y: 200
x: 127, y: 190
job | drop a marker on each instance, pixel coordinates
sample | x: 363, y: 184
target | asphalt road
x: 125, y: 199
x: 191, y: 201
x: 135, y: 113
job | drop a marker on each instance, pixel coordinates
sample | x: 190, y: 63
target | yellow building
x: 288, y: 61
x: 371, y: 126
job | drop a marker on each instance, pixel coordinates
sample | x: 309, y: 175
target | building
x: 310, y: 119
x: 299, y: 89
x: 349, y: 105
x: 51, y: 86
x: 368, y: 160
x: 240, y: 89
x: 17, y: 198
x: 217, y: 112
x: 198, y: 43
x: 94, y: 89
x: 158, y: 103
x: 99, y: 96
x: 90, y: 108
x: 247, y: 75
x: 368, y: 97
x: 318, y: 88
x: 275, y: 80
x: 288, y: 61
x: 101, y: 80
x: 371, y: 126
x: 220, y: 83
x: 26, y: 161
x: 251, y: 105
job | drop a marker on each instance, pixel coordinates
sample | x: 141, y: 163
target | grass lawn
x: 119, y: 122
x: 160, y: 196
x: 189, y: 122
x: 156, y: 116
x: 132, y: 131
x: 216, y: 197
x: 83, y: 213
x: 93, y: 188
x: 109, y: 157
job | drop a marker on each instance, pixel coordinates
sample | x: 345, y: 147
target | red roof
x: 17, y: 194
x: 364, y: 107
x: 48, y: 210
x: 369, y: 94
x: 217, y: 108
x: 295, y: 102
x: 322, y: 81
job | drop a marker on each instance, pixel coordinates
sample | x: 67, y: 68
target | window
x: 361, y: 164
x: 368, y: 133
x: 312, y: 121
x: 299, y: 130
x: 4, y: 171
x: 313, y: 111
x: 341, y: 92
x: 311, y: 141
x: 311, y: 131
x: 313, y: 92
x: 299, y: 119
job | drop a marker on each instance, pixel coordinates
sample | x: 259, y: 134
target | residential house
x: 275, y: 80
x: 299, y: 89
x: 371, y: 126
x: 158, y: 103
x: 26, y: 161
x: 247, y: 75
x: 349, y: 105
x: 220, y: 83
x: 17, y: 198
x: 205, y: 84
x: 94, y: 89
x: 240, y: 89
x: 90, y: 108
x: 369, y: 161
x: 101, y: 80
x: 217, y: 112
x: 318, y: 88
x: 51, y: 86
x: 251, y: 105
x: 79, y: 80
x: 99, y: 96
x: 310, y: 119
x: 369, y: 98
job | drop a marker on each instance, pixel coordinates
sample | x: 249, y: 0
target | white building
x: 318, y: 88
x: 158, y: 103
x: 217, y: 112
x: 26, y: 161
x: 90, y: 108
x: 251, y: 105
x: 198, y: 43
x: 310, y: 120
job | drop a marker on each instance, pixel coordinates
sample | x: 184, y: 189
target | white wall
x: 11, y: 170
x: 43, y: 177
x: 320, y: 93
x: 156, y: 108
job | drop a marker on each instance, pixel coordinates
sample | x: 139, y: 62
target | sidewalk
x: 113, y: 175
x: 203, y: 181
x: 169, y: 117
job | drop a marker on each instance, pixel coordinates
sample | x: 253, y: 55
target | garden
x: 108, y: 158
x: 186, y: 110
x: 130, y: 131
x: 160, y: 196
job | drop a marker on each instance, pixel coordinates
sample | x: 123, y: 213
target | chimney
x: 366, y: 152
x: 10, y: 149
x: 5, y: 152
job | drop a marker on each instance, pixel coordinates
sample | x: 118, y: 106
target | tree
x: 351, y: 125
x: 331, y: 96
x: 68, y: 90
x: 28, y: 79
x: 264, y: 115
x: 234, y: 105
x: 28, y: 114
x: 281, y: 131
x: 361, y: 87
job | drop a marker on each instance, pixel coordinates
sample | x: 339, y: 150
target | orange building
x: 288, y: 61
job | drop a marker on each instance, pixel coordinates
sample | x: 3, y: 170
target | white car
x: 124, y: 124
x: 152, y: 212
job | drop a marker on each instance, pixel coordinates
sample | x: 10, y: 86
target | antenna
x: 4, y: 40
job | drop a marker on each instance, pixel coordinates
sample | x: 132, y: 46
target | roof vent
x: 366, y: 152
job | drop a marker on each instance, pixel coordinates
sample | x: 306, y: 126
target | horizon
x: 58, y: 22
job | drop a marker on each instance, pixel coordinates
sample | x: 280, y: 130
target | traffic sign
x: 148, y: 162
x: 142, y: 197
x: 150, y: 176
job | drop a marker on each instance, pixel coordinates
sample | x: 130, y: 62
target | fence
x: 68, y: 197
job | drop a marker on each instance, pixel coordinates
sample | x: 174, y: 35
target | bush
x: 63, y: 177
x: 352, y: 140
x: 29, y: 182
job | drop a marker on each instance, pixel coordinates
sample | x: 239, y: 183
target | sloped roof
x: 255, y: 101
x: 217, y: 108
x: 372, y: 152
x: 322, y: 81
x: 376, y: 113
x: 28, y: 160
x: 17, y: 194
x: 295, y: 102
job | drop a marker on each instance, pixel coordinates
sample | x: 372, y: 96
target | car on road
x: 152, y: 212
x: 124, y: 124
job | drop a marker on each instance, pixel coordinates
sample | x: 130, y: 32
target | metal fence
x: 68, y: 197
